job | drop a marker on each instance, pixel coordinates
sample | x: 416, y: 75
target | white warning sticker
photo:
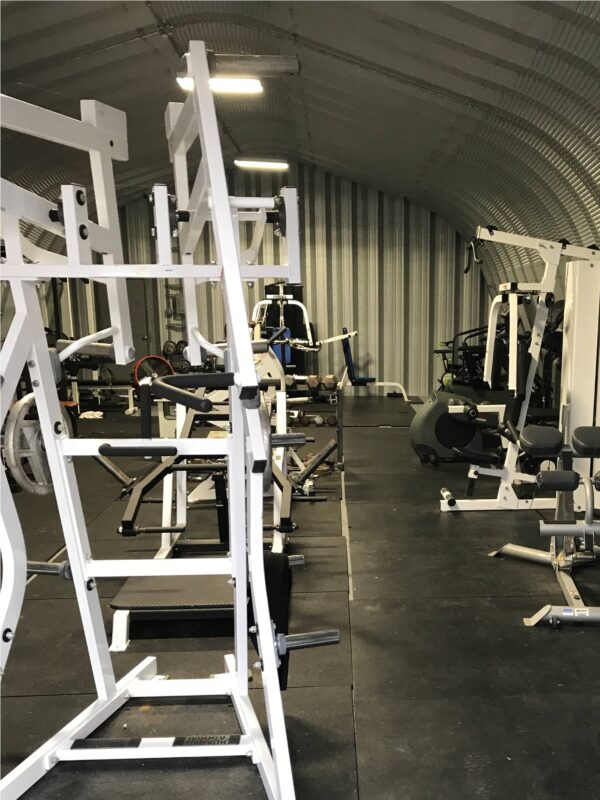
x: 582, y: 612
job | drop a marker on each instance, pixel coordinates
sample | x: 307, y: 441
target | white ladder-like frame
x: 25, y: 345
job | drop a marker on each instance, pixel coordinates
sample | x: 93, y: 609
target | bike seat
x: 541, y: 441
x: 586, y: 441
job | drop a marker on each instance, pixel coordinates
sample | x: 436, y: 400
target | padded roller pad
x: 586, y: 441
x: 558, y: 480
x: 541, y: 441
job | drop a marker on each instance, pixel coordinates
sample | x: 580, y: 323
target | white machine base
x: 144, y: 682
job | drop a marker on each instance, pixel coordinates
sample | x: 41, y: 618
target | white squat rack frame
x: 102, y: 133
x: 580, y: 373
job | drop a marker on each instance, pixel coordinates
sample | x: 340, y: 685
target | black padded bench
x: 543, y: 441
x: 586, y: 441
x: 355, y: 380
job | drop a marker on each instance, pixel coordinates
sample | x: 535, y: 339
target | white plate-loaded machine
x: 102, y: 133
x: 580, y: 377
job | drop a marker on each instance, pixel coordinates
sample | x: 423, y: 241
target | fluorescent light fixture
x: 224, y: 85
x: 275, y: 166
x: 185, y: 82
x: 235, y: 85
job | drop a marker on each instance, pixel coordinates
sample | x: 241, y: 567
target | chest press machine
x: 102, y: 133
x: 580, y: 373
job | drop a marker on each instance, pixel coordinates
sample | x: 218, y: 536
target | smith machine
x: 245, y: 447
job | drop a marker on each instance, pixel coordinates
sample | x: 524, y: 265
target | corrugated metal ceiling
x: 485, y: 112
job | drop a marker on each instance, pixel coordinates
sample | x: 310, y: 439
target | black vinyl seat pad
x: 586, y: 441
x: 541, y: 440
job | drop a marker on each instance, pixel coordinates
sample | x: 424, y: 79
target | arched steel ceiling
x: 485, y: 112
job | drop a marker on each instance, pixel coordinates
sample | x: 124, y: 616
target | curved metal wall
x: 484, y: 112
x: 370, y: 261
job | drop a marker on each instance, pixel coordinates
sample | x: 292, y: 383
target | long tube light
x: 275, y: 166
x: 224, y: 85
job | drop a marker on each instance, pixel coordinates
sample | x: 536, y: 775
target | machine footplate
x: 192, y: 593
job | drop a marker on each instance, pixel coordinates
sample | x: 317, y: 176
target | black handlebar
x: 137, y: 450
x: 200, y: 380
x: 278, y: 333
x: 472, y: 257
x: 160, y: 388
x: 172, y: 388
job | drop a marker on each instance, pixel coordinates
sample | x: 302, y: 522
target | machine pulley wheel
x: 24, y: 450
x: 148, y: 366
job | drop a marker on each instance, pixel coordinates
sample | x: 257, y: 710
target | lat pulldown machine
x: 101, y: 132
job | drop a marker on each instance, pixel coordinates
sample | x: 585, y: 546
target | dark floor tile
x: 320, y: 726
x: 326, y: 564
x: 315, y: 518
x: 376, y: 411
x: 515, y: 746
x: 429, y: 570
x: 413, y: 484
x: 373, y: 441
x: 405, y: 551
x: 464, y: 647
x: 27, y: 722
x: 322, y: 666
x: 37, y: 549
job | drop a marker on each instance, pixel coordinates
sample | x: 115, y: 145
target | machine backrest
x: 348, y: 357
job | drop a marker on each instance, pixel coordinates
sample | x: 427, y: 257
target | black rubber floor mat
x: 373, y: 412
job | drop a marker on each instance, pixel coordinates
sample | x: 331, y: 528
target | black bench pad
x: 541, y: 441
x: 586, y: 441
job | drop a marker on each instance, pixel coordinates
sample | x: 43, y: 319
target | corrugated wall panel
x: 370, y: 261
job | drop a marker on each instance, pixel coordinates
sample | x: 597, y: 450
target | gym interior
x: 300, y: 396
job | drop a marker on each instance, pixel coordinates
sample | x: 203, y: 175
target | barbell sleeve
x: 288, y: 439
x: 301, y: 641
x: 60, y: 568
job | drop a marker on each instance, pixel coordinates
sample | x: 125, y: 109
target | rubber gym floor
x: 437, y: 690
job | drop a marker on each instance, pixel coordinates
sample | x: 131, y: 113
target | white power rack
x: 102, y: 133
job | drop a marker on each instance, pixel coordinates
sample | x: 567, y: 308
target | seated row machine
x: 573, y: 543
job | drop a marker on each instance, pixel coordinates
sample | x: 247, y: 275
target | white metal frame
x: 25, y: 346
x: 553, y: 255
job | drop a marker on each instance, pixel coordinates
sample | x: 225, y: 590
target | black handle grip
x: 472, y: 255
x: 511, y: 429
x: 200, y: 380
x: 566, y: 480
x: 137, y: 450
x: 265, y: 383
x: 160, y: 388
